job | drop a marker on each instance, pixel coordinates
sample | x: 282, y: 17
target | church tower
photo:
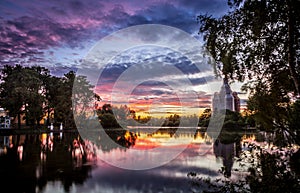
x: 226, y: 99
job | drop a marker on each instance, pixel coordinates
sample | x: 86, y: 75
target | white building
x: 4, y: 119
x: 226, y: 99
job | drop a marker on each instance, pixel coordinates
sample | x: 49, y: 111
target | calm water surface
x: 64, y: 162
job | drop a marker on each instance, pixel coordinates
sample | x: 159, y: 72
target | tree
x: 233, y: 120
x: 11, y: 91
x: 83, y: 98
x: 294, y: 120
x: 63, y: 110
x: 171, y: 121
x: 34, y: 93
x: 111, y: 116
x: 60, y: 93
x: 258, y: 42
x: 205, y: 118
x: 22, y: 92
x: 53, y: 93
x: 258, y: 39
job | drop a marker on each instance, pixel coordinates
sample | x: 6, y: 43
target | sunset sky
x: 59, y: 34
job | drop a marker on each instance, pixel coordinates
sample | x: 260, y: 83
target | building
x: 4, y: 119
x: 3, y: 113
x: 226, y: 99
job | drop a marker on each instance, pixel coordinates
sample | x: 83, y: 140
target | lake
x: 139, y: 160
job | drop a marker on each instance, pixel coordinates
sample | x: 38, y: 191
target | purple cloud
x: 28, y: 29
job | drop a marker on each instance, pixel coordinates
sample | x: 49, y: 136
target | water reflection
x: 32, y: 161
x: 226, y: 147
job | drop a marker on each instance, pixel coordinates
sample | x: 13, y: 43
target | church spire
x: 226, y: 99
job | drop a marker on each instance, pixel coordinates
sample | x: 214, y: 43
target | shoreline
x: 4, y: 132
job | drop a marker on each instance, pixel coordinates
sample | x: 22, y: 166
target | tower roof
x: 225, y: 87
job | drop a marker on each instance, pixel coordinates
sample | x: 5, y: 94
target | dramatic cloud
x: 29, y: 29
x: 153, y: 88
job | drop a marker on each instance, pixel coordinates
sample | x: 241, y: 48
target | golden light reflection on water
x: 146, y: 140
x: 265, y: 145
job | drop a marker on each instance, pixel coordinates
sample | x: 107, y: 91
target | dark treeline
x: 111, y: 117
x: 115, y: 117
x: 31, y: 94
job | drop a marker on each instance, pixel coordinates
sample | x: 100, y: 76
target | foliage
x: 22, y: 92
x: 249, y: 118
x: 32, y: 91
x: 108, y: 120
x: 11, y: 90
x: 81, y: 98
x: 281, y: 118
x: 258, y: 42
x: 204, y: 118
x: 112, y: 117
x: 233, y: 120
x: 294, y: 120
x: 274, y: 174
x: 116, y: 117
x: 256, y: 39
x: 63, y: 100
x: 269, y: 107
x: 172, y: 121
x: 216, y: 186
x: 265, y: 172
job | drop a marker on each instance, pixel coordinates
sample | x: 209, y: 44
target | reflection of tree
x: 60, y: 165
x: 124, y: 138
x: 107, y: 139
x: 265, y: 170
x: 115, y: 138
x: 33, y: 171
x: 166, y: 130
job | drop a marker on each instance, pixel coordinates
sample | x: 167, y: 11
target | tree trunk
x: 291, y: 49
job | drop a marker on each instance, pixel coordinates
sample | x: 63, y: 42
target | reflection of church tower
x: 226, y: 152
x: 226, y: 99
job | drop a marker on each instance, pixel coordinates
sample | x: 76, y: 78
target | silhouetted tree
x: 258, y: 42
